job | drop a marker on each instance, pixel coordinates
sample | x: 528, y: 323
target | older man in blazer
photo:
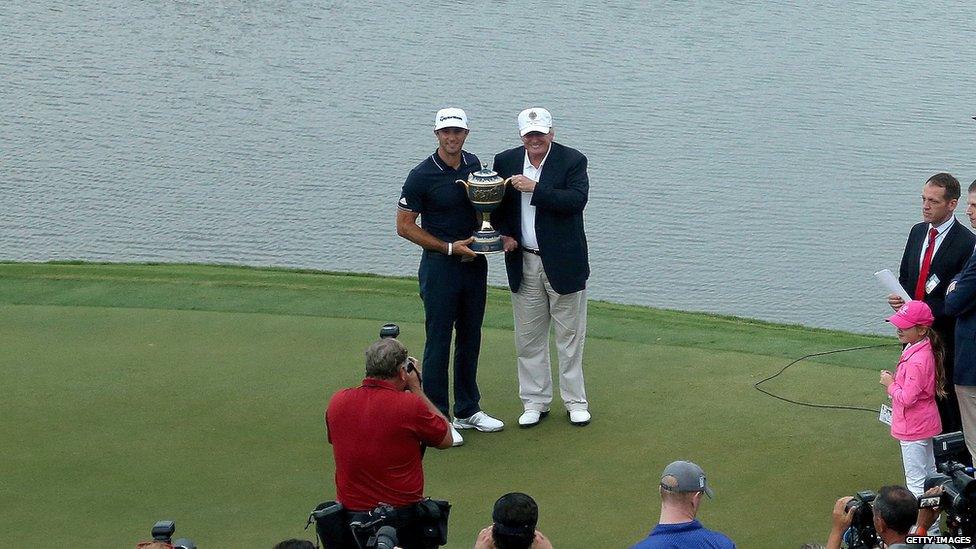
x: 960, y: 302
x: 936, y: 251
x: 541, y: 220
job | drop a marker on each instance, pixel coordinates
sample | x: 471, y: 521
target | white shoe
x: 579, y: 417
x: 480, y: 421
x: 458, y: 439
x: 531, y: 418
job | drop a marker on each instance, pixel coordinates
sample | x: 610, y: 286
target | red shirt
x: 376, y: 431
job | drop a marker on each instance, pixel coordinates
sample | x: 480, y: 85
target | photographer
x: 378, y: 431
x: 514, y: 517
x: 895, y: 513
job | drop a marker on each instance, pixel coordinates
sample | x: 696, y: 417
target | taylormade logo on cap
x: 450, y: 117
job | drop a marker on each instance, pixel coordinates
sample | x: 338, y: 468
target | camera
x: 958, y: 498
x: 386, y: 538
x: 163, y: 531
x: 862, y: 533
x: 377, y: 532
x: 391, y: 330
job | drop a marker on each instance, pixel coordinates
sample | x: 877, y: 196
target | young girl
x: 917, y: 381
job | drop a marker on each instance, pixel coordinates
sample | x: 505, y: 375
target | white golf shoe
x: 531, y: 418
x: 480, y: 421
x: 579, y: 417
x: 458, y: 439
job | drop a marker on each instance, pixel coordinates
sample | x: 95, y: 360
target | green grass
x: 133, y: 393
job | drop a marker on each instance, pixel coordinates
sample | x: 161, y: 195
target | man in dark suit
x: 936, y: 251
x: 541, y: 220
x: 960, y: 302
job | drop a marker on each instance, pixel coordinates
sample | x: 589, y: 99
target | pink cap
x: 911, y: 314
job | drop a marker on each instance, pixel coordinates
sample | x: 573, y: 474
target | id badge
x: 885, y: 416
x: 932, y: 282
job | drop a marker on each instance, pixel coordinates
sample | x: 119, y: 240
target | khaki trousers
x: 966, y: 394
x: 537, y: 307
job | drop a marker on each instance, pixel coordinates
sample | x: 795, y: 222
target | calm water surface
x: 755, y: 159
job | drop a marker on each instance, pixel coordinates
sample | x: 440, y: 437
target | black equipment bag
x: 433, y: 515
x: 332, y: 525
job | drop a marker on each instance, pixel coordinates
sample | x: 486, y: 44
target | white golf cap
x: 450, y: 117
x: 535, y: 119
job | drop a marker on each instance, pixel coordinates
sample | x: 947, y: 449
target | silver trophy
x: 485, y: 191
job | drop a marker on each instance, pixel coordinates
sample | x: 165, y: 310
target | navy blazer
x: 559, y: 199
x: 948, y: 261
x: 961, y: 303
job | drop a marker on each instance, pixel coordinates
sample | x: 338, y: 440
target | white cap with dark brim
x: 451, y: 117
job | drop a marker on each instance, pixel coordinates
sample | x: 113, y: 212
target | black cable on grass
x: 811, y: 355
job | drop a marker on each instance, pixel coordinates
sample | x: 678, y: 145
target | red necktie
x: 923, y: 274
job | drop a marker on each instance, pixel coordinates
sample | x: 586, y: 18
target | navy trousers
x: 454, y: 294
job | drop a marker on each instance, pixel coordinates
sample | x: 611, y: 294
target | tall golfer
x: 453, y: 279
x: 541, y: 220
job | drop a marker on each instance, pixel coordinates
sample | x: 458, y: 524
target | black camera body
x: 163, y: 531
x: 391, y: 330
x: 958, y: 497
x: 377, y: 532
x: 862, y: 533
x: 958, y: 486
x: 386, y: 538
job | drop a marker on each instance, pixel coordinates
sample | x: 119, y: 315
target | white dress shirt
x: 941, y: 230
x: 529, y: 239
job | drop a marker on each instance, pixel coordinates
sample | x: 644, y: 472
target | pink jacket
x: 915, y: 415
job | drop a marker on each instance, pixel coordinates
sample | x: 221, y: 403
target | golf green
x: 135, y: 393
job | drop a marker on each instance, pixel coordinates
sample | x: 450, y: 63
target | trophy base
x: 486, y: 242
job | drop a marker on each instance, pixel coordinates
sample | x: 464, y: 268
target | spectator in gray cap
x: 682, y: 486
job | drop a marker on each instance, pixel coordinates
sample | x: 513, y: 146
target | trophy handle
x: 507, y: 181
x: 463, y: 182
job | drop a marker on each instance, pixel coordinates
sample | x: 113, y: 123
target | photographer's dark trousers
x: 454, y: 294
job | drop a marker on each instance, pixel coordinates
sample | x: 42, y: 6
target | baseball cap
x: 515, y: 515
x: 451, y: 117
x: 535, y: 119
x: 690, y: 478
x: 913, y: 313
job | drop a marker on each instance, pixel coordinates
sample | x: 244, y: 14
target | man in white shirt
x: 936, y: 252
x: 541, y: 220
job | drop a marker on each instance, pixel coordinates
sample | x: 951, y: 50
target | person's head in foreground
x: 683, y: 484
x: 895, y: 512
x: 515, y: 517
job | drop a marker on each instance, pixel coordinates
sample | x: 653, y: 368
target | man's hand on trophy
x: 461, y: 248
x: 509, y: 244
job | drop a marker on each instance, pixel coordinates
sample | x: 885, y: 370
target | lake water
x: 755, y: 159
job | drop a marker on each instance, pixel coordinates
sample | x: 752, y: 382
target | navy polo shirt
x: 432, y: 191
x: 684, y: 534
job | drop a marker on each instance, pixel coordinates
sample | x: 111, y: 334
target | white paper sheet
x: 890, y: 283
